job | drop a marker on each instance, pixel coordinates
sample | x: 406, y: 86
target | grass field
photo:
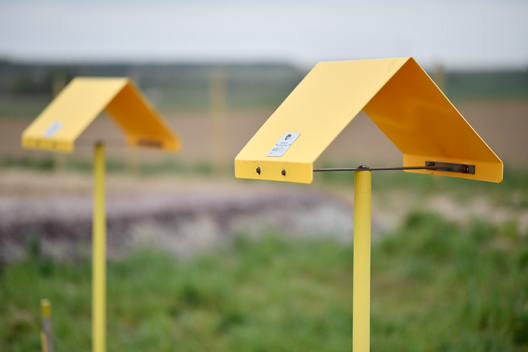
x: 436, y: 286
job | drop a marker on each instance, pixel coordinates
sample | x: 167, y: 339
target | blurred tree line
x: 39, y: 78
x: 171, y: 87
x: 187, y: 86
x: 26, y: 83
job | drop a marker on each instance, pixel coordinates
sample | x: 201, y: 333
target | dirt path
x: 181, y: 215
x: 186, y: 215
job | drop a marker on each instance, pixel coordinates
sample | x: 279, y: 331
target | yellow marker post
x: 43, y: 342
x: 60, y: 125
x: 99, y: 252
x: 403, y: 101
x: 46, y: 336
x: 361, y: 290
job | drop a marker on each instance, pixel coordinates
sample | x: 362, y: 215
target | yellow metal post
x: 361, y: 294
x: 46, y: 336
x: 99, y: 253
x: 43, y: 342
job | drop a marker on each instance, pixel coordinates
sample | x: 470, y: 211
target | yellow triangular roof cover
x: 397, y: 94
x: 82, y: 100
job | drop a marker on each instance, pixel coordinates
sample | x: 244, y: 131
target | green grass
x: 436, y: 287
x: 447, y: 288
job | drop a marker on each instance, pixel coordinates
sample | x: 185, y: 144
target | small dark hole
x: 258, y: 170
x: 283, y: 172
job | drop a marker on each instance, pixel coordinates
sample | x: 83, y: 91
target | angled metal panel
x: 81, y: 101
x: 70, y: 113
x: 140, y: 123
x: 319, y: 108
x: 397, y: 95
x: 419, y: 119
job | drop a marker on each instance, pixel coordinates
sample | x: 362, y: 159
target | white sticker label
x: 53, y: 129
x: 283, y: 144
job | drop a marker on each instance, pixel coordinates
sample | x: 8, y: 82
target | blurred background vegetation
x: 173, y: 88
x: 26, y: 88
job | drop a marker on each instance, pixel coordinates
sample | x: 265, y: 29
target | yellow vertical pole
x: 43, y: 342
x: 99, y: 253
x: 46, y: 336
x: 361, y: 294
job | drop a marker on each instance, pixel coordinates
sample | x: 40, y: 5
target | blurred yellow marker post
x: 99, y: 251
x: 63, y: 121
x: 361, y: 298
x: 46, y: 336
x: 410, y: 110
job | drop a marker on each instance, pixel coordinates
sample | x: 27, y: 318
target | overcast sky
x: 474, y: 33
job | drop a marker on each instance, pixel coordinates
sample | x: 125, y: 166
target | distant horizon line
x: 243, y: 61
